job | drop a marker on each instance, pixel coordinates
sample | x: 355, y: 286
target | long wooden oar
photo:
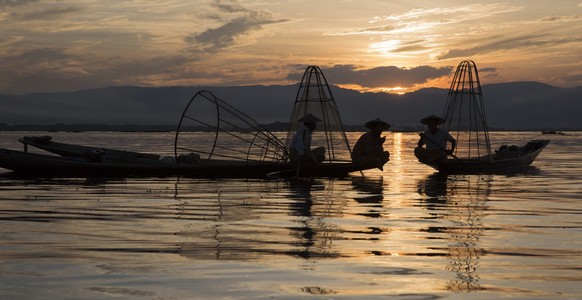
x: 451, y: 154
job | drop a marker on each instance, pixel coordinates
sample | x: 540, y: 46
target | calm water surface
x: 404, y: 233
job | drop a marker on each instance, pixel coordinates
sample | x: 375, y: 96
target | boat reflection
x: 311, y: 203
x: 461, y: 200
x: 435, y: 188
x: 295, y: 211
x: 372, y: 190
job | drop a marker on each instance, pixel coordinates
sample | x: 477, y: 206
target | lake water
x: 401, y: 233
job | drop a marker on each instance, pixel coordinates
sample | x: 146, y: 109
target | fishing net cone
x: 464, y: 113
x: 314, y: 96
x: 212, y: 129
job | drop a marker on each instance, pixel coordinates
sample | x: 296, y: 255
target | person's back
x: 368, y: 144
x: 369, y: 147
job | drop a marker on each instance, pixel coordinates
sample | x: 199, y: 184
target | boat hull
x: 499, y: 164
x: 34, y: 164
x: 41, y: 164
x: 80, y: 151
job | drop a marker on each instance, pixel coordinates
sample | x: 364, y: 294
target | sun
x: 398, y: 90
x: 384, y: 47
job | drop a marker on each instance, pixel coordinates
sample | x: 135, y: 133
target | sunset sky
x: 394, y: 45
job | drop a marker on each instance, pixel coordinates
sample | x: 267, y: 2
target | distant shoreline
x: 274, y: 127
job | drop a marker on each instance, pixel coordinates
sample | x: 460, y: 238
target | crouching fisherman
x: 300, y: 152
x: 369, y: 148
x: 435, y: 139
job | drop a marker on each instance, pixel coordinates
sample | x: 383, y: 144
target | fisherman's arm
x: 421, y: 141
x: 453, y: 146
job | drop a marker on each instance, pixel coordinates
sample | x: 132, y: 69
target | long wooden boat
x: 552, y: 132
x: 502, y: 162
x: 87, y: 152
x: 52, y: 165
x: 35, y: 164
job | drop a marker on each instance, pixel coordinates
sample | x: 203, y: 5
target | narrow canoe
x: 500, y: 162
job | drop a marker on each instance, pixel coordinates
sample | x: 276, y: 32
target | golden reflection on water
x: 397, y: 147
x: 388, y: 234
x: 396, y: 163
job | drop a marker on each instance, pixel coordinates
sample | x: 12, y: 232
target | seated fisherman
x: 369, y: 147
x: 300, y: 151
x: 435, y: 139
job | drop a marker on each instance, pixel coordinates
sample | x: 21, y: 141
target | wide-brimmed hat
x: 377, y: 123
x: 309, y: 118
x: 426, y: 120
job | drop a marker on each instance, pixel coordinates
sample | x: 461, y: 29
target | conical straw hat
x: 309, y: 118
x: 377, y: 122
x: 427, y: 119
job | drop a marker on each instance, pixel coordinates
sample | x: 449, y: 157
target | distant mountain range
x: 517, y: 105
